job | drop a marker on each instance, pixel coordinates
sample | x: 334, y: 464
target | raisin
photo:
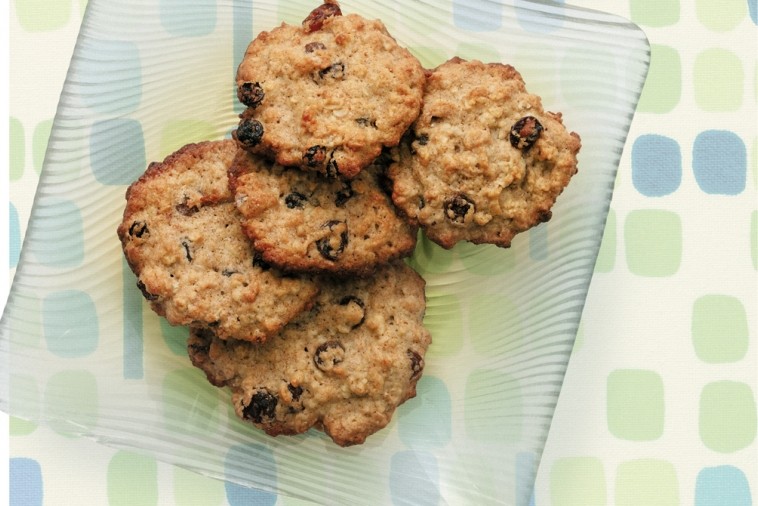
x: 335, y: 71
x: 422, y: 139
x: 344, y: 194
x: 417, y: 363
x: 250, y: 94
x: 147, y: 295
x: 458, y: 207
x: 366, y: 122
x: 138, y: 229
x: 186, y: 210
x: 314, y: 46
x: 331, y: 166
x: 525, y: 132
x: 262, y: 405
x: 296, y: 391
x: 249, y: 132
x: 295, y: 200
x: 259, y: 262
x: 348, y: 299
x: 186, y: 244
x: 328, y: 355
x: 317, y: 16
x: 314, y: 156
x: 333, y: 244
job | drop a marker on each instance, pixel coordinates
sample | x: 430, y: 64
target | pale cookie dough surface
x: 182, y: 237
x: 305, y: 221
x: 343, y: 367
x: 327, y: 96
x: 476, y: 166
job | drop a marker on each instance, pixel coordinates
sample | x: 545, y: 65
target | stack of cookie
x: 282, y: 247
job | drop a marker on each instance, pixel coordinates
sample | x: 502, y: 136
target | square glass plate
x: 81, y: 352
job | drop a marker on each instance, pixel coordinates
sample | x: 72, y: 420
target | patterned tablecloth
x: 659, y: 402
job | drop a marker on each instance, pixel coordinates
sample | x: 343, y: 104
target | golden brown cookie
x: 483, y: 161
x: 343, y: 367
x: 327, y: 95
x: 182, y: 237
x: 306, y: 221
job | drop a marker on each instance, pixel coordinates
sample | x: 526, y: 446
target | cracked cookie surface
x: 343, y: 367
x: 181, y: 236
x: 327, y: 95
x: 305, y: 221
x: 483, y: 161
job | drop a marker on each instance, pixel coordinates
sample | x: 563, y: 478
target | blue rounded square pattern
x: 70, y: 323
x: 414, y: 479
x: 415, y: 422
x: 59, y: 234
x: 656, y: 165
x: 719, y: 161
x: 25, y: 480
x: 477, y: 15
x: 258, y: 458
x: 113, y: 77
x: 722, y: 486
x: 14, y: 236
x: 117, y: 151
x: 188, y: 20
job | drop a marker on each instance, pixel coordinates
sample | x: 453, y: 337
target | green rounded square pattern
x: 727, y: 416
x: 646, y: 481
x: 636, y: 405
x: 577, y: 481
x: 719, y: 329
x: 663, y: 87
x: 654, y: 13
x: 719, y: 80
x: 653, y: 242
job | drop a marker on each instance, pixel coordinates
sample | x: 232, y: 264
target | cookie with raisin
x: 181, y: 236
x: 343, y: 367
x: 306, y: 221
x: 484, y: 161
x: 327, y: 95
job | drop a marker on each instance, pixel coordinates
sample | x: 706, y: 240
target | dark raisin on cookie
x: 251, y: 94
x: 186, y: 210
x: 295, y: 200
x: 331, y: 166
x: 138, y: 229
x: 458, y: 207
x: 336, y: 71
x: 147, y: 295
x: 296, y: 391
x: 314, y: 156
x: 314, y: 46
x: 333, y: 244
x: 259, y: 262
x: 344, y: 194
x: 317, y: 16
x: 187, y: 245
x: 366, y: 122
x: 249, y: 132
x: 352, y: 299
x: 525, y: 132
x: 262, y: 405
x: 328, y: 355
x: 417, y: 363
x: 422, y: 139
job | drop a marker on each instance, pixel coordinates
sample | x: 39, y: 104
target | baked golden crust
x: 343, y: 367
x: 327, y: 96
x: 181, y: 236
x: 304, y: 221
x: 483, y: 161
